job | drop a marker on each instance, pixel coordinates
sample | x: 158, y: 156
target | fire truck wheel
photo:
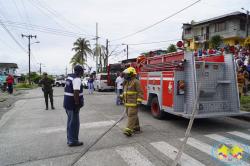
x: 155, y: 109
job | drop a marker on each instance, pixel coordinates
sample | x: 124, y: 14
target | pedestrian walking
x: 91, y: 84
x: 10, y: 82
x: 132, y: 97
x: 73, y: 101
x: 47, y: 89
x: 119, y: 88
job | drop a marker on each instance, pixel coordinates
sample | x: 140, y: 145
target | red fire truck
x: 173, y: 82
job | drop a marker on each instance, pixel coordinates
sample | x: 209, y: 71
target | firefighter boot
x: 128, y: 132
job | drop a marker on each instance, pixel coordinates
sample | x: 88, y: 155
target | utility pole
x: 66, y: 71
x: 40, y: 68
x: 97, y: 49
x: 127, y: 51
x: 247, y: 21
x: 107, y: 53
x: 29, y: 37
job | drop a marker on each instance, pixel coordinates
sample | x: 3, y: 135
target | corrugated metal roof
x: 8, y: 65
x: 219, y: 17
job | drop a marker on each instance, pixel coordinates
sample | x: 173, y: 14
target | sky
x: 58, y: 23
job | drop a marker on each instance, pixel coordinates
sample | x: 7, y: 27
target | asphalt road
x: 30, y: 135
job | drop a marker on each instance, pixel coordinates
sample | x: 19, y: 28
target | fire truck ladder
x: 166, y: 62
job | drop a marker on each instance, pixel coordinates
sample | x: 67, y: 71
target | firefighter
x: 46, y: 84
x: 132, y: 97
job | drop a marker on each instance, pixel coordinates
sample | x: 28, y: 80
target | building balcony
x: 201, y: 38
x: 187, y: 36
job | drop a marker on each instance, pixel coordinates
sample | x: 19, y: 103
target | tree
x: 171, y: 48
x: 216, y: 41
x: 34, y: 77
x: 82, y: 50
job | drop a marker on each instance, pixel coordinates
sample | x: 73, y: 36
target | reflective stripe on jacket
x: 69, y: 101
x: 132, y: 93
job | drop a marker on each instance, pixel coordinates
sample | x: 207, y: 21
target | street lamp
x: 35, y: 42
x: 247, y: 11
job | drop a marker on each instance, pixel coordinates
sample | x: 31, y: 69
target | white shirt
x: 119, y: 81
x: 76, y: 83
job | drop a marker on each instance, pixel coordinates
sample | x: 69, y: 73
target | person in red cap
x: 10, y: 82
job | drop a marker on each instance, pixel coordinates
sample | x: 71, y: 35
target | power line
x: 34, y: 3
x: 155, y: 42
x: 12, y: 36
x: 58, y: 15
x: 39, y: 28
x: 158, y: 22
x: 26, y: 15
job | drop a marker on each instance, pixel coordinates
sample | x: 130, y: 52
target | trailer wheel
x: 155, y: 109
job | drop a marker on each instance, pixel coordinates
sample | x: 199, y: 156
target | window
x: 187, y: 31
x: 220, y: 27
x: 242, y: 25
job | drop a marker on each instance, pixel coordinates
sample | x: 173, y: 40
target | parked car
x: 59, y: 82
x: 85, y: 82
x: 101, y: 82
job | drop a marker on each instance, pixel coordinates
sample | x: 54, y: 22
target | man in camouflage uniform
x: 132, y: 97
x: 47, y: 84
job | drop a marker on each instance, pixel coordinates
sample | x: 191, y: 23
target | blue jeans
x: 118, y: 99
x: 90, y: 88
x: 73, y: 126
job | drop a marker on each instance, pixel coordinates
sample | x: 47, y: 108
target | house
x: 8, y: 68
x: 231, y: 27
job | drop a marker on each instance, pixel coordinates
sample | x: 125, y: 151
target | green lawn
x: 245, y: 103
x: 25, y: 86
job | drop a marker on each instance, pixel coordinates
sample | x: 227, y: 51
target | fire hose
x: 187, y: 133
x: 191, y: 121
x: 85, y: 150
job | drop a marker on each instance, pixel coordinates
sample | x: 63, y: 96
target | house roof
x: 8, y: 65
x: 237, y: 13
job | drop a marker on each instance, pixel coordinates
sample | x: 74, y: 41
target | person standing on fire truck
x: 132, y: 97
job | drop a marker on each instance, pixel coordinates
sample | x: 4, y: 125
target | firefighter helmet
x: 130, y: 70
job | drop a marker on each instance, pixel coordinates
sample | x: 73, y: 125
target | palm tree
x: 82, y: 49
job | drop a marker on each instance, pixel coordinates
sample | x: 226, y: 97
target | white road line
x: 240, y: 134
x: 220, y: 138
x: 199, y: 145
x: 171, y: 152
x: 133, y: 157
x: 82, y: 126
x: 205, y: 148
